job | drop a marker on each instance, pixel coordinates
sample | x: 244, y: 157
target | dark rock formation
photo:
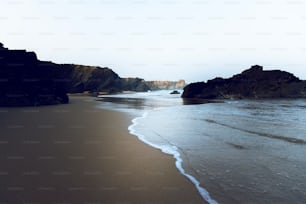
x: 132, y: 84
x: 25, y: 81
x: 165, y: 85
x: 95, y: 80
x: 254, y: 83
x: 89, y: 78
x: 175, y: 92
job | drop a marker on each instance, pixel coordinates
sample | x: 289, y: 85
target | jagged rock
x: 133, y: 84
x: 1, y: 46
x: 25, y: 81
x: 89, y: 78
x: 97, y: 79
x: 254, y: 83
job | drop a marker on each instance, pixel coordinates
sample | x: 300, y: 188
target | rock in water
x: 175, y: 92
x: 253, y: 83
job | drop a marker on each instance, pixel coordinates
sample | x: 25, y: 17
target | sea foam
x: 171, y: 150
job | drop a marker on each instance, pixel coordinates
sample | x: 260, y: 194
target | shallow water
x: 244, y: 151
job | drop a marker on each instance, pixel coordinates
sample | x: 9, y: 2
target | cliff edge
x: 26, y: 81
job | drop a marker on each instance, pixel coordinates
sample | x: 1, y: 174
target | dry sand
x: 77, y: 153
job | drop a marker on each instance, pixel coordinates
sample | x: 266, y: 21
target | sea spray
x: 171, y: 150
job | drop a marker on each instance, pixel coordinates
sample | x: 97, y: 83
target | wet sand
x: 77, y: 153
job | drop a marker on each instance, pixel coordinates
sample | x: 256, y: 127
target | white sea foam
x: 171, y: 150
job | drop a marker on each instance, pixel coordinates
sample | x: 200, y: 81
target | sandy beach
x: 78, y: 153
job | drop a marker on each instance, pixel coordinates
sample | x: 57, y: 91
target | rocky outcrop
x: 26, y: 81
x: 175, y: 92
x: 132, y: 84
x: 103, y: 80
x: 254, y: 83
x: 165, y: 85
x: 89, y: 78
x: 95, y: 80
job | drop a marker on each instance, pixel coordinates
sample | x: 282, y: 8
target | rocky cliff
x: 133, y: 84
x: 25, y: 80
x: 254, y: 83
x: 168, y: 85
x: 97, y: 79
x: 88, y: 78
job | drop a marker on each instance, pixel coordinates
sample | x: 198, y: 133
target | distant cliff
x: 254, y: 83
x: 161, y: 85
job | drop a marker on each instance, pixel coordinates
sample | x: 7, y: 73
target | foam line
x: 173, y: 150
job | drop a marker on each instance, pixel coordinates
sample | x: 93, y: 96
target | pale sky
x: 194, y: 40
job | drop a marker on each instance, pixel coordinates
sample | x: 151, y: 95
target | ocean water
x: 234, y: 151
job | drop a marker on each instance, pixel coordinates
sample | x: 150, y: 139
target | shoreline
x: 175, y: 153
x: 79, y: 153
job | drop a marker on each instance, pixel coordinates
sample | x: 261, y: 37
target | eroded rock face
x: 26, y: 81
x: 133, y: 84
x: 253, y: 83
x: 89, y: 78
x: 97, y: 79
